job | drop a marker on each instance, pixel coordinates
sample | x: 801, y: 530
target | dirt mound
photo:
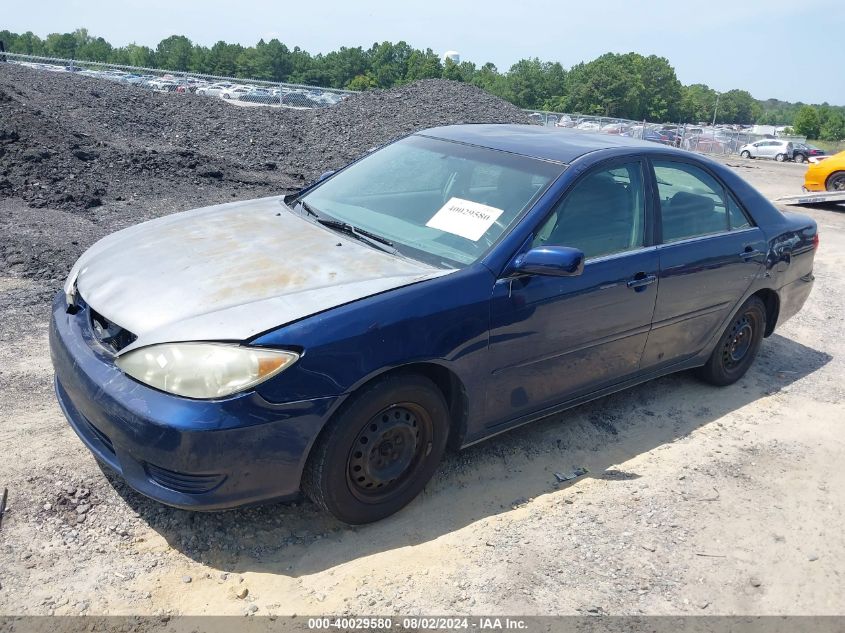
x: 116, y: 154
x: 71, y: 142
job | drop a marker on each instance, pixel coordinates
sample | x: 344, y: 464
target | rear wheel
x: 836, y: 181
x: 799, y: 158
x: 745, y: 154
x: 737, y: 346
x: 380, y: 450
x: 780, y: 157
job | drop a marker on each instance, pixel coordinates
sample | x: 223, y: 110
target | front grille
x: 110, y: 335
x: 183, y: 482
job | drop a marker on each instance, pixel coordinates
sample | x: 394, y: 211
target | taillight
x: 816, y: 240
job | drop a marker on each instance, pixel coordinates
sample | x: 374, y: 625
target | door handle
x: 749, y: 252
x: 641, y: 280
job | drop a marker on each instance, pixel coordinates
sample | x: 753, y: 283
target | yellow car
x: 827, y: 174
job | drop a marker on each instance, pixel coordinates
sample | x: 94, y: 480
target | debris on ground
x: 569, y: 476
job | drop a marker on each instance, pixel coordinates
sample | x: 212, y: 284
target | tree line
x: 630, y: 85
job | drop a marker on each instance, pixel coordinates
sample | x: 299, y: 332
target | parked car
x: 260, y: 95
x: 827, y: 174
x: 565, y: 121
x: 299, y: 100
x: 214, y: 90
x: 768, y: 148
x: 614, y: 128
x: 234, y: 92
x: 803, y: 152
x: 706, y: 143
x: 338, y: 339
x: 588, y: 126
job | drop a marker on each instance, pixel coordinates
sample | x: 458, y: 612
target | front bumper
x: 813, y: 181
x: 192, y: 454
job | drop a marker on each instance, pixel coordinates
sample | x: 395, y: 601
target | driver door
x: 555, y: 338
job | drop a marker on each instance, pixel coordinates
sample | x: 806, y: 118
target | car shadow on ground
x: 482, y: 481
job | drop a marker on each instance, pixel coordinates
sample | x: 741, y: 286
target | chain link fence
x: 710, y: 139
x: 238, y: 91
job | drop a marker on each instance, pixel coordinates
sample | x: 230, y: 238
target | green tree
x: 134, y: 55
x: 807, y: 123
x: 26, y: 43
x: 529, y: 82
x: 661, y: 90
x: 367, y: 81
x: 831, y: 123
x: 174, y: 53
x: 423, y: 65
x: 452, y: 71
x: 223, y: 58
x: 276, y: 59
x: 609, y: 85
x: 697, y: 103
x: 60, y: 45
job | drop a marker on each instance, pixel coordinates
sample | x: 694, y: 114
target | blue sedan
x: 452, y: 285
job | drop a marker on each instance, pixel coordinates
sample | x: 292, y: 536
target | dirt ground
x: 698, y: 500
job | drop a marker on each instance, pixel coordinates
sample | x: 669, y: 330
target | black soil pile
x: 108, y: 155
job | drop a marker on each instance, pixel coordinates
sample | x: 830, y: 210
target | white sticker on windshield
x: 465, y: 218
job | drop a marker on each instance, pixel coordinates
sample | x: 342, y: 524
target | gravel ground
x: 696, y: 500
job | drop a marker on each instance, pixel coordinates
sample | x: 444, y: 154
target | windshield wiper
x: 363, y: 235
x: 308, y: 209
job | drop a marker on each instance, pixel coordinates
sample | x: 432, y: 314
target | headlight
x: 204, y: 370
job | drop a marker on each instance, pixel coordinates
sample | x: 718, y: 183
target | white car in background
x: 589, y: 126
x: 214, y: 90
x: 768, y: 148
x: 235, y: 92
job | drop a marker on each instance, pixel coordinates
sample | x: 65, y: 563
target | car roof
x: 548, y: 143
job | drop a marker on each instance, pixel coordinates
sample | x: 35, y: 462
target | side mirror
x: 555, y: 261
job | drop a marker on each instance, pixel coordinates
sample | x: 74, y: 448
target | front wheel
x: 836, y: 181
x: 799, y: 158
x: 380, y: 450
x: 737, y: 346
x: 745, y: 154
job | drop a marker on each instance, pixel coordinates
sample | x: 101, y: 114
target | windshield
x: 437, y: 201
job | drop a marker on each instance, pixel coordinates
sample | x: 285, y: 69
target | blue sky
x: 787, y: 49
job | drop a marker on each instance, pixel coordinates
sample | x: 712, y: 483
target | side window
x: 736, y: 216
x: 692, y: 202
x: 603, y: 214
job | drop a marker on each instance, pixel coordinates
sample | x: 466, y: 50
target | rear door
x: 709, y: 254
x: 769, y: 149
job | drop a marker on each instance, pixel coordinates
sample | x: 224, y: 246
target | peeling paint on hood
x: 229, y: 272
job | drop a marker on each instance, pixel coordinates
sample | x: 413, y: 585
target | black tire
x: 780, y: 157
x: 738, y: 345
x: 403, y: 420
x: 799, y: 158
x: 745, y: 154
x: 836, y: 181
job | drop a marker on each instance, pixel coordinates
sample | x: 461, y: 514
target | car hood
x: 230, y: 272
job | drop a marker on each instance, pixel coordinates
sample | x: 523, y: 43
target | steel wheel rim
x: 739, y: 342
x: 387, y: 451
x: 838, y: 183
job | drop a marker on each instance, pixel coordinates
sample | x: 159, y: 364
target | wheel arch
x: 446, y: 380
x: 771, y: 300
x: 832, y: 175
